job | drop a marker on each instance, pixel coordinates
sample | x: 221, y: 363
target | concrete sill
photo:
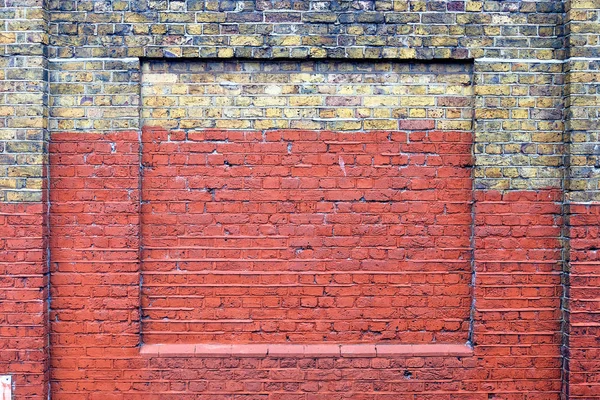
x: 332, y: 350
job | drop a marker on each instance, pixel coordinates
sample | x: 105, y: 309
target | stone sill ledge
x: 367, y: 350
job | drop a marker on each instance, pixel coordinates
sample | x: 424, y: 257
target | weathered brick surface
x: 306, y: 236
x: 534, y: 100
x: 342, y: 95
x: 518, y: 289
x: 96, y: 322
x: 582, y: 333
x: 23, y: 295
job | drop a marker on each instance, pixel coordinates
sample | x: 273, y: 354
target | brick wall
x: 517, y: 78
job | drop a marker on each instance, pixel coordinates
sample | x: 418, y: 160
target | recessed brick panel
x: 333, y: 95
x: 288, y: 235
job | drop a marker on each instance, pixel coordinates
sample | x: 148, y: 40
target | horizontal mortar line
x: 38, y: 214
x: 521, y: 298
x: 584, y: 300
x: 295, y: 260
x: 583, y: 311
x: 95, y: 261
x: 215, y: 248
x: 583, y: 287
x: 519, y: 285
x: 21, y: 237
x: 231, y: 321
x: 337, y: 394
x: 41, y: 262
x: 535, y: 60
x: 517, y: 261
x: 515, y: 345
x: 584, y: 324
x: 126, y: 59
x: 230, y: 237
x: 255, y: 248
x: 513, y: 333
x: 250, y: 285
x: 507, y: 202
x: 584, y: 263
x: 348, y: 272
x: 516, y: 309
x: 154, y: 321
x: 520, y: 273
x: 97, y: 249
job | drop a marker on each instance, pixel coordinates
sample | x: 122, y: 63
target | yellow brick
x: 208, y: 112
x: 159, y: 78
x: 24, y: 196
x: 381, y: 124
x: 8, y: 183
x: 590, y: 4
x: 241, y: 40
x: 273, y: 112
x: 492, y: 90
x: 344, y: 125
x: 223, y: 101
x: 27, y: 122
x: 271, y: 124
x: 454, y: 125
x: 417, y: 101
x: 318, y: 52
x: 520, y: 113
x: 349, y: 113
x: 408, y: 53
x: 244, y: 101
x: 417, y: 113
x: 299, y: 101
x: 194, y: 29
x: 378, y: 101
x: 162, y: 101
x: 179, y: 89
x: 33, y: 183
x: 377, y: 113
x: 194, y: 101
x: 225, y: 52
x: 473, y: 5
x: 306, y: 124
x: 196, y: 123
x: 68, y: 112
x: 327, y: 113
x: 6, y: 110
x: 233, y: 124
x: 307, y: 78
x: 7, y: 37
x: 268, y: 101
x: 291, y: 40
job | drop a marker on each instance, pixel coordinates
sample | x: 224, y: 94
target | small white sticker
x: 5, y: 387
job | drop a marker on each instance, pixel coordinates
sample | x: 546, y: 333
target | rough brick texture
x: 583, y: 333
x: 306, y: 236
x: 23, y: 297
x: 96, y: 321
x: 342, y: 95
x: 519, y: 77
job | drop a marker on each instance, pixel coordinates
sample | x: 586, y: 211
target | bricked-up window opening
x: 306, y: 202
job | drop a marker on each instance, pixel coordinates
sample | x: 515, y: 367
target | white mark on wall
x: 5, y: 387
x: 342, y: 165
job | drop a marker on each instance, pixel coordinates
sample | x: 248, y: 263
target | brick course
x: 74, y: 82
